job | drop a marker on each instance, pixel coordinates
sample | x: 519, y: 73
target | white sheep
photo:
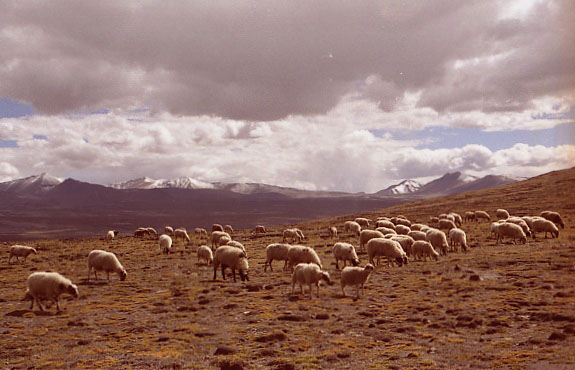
x: 416, y: 235
x: 385, y: 223
x: 236, y: 244
x: 402, y: 229
x: 302, y: 254
x: 332, y: 232
x: 482, y: 215
x: 446, y: 224
x: 442, y: 216
x: 378, y: 247
x: 276, y: 251
x: 308, y: 273
x: 224, y: 240
x: 362, y: 221
x: 181, y: 233
x: 111, y: 234
x: 457, y: 236
x: 494, y: 229
x: 366, y: 235
x: 546, y: 226
x: 291, y: 234
x: 165, y: 243
x: 168, y: 230
x: 469, y: 216
x: 424, y: 249
x: 355, y: 276
x: 417, y: 227
x: 216, y: 235
x: 299, y: 233
x: 553, y: 217
x: 507, y: 229
x: 229, y: 229
x: 233, y: 258
x: 49, y: 285
x: 521, y: 222
x: 352, y: 227
x: 205, y: 253
x: 260, y: 229
x: 386, y: 230
x: 200, y: 232
x: 217, y: 227
x: 501, y: 214
x: 400, y: 221
x: 405, y: 241
x: 457, y: 218
x: 437, y: 239
x: 141, y: 232
x: 20, y: 251
x: 100, y: 260
x: 344, y: 252
x: 152, y: 232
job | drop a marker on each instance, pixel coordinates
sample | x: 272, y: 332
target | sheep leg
x: 223, y: 272
x: 336, y: 264
x: 39, y: 304
x: 234, y: 274
x: 342, y: 291
x: 96, y: 274
x: 57, y: 304
x: 108, y: 274
x: 215, y: 270
x: 285, y: 265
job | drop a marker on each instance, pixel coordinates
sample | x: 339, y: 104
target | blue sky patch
x: 11, y: 108
x: 8, y: 143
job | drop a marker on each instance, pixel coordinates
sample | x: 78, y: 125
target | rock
x: 271, y: 337
x: 292, y: 318
x: 457, y: 268
x: 344, y: 354
x: 253, y: 287
x: 557, y: 336
x: 225, y: 350
x: 163, y: 339
x: 475, y: 277
x: 322, y: 316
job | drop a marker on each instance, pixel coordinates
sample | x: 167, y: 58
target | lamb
x: 386, y: 230
x: 181, y: 233
x: 482, y: 215
x: 502, y: 214
x: 446, y: 224
x: 353, y: 227
x: 236, y: 244
x: 217, y: 227
x: 469, y: 216
x: 111, y: 234
x: 100, y: 260
x: 216, y: 235
x: 200, y: 232
x: 545, y: 226
x: 366, y: 236
x: 390, y: 249
x: 507, y: 229
x: 406, y: 243
x: 402, y: 229
x: 205, y: 253
x: 417, y: 235
x: 332, y: 232
x: 233, y: 258
x: 229, y: 229
x: 165, y: 243
x: 385, y: 223
x: 21, y: 251
x: 424, y: 249
x: 437, y: 239
x: 553, y: 217
x: 457, y: 236
x: 260, y: 229
x: 277, y: 251
x: 301, y: 254
x: 345, y: 252
x: 49, y: 285
x: 362, y: 221
x: 308, y: 273
x: 168, y: 230
x: 291, y: 234
x: 355, y: 276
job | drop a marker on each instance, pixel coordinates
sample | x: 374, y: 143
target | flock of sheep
x: 395, y: 238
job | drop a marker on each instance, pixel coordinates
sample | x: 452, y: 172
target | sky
x: 323, y: 95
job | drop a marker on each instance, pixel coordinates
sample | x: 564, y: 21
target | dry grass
x: 426, y: 315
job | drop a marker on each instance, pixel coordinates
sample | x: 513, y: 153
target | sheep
x: 332, y: 232
x: 510, y: 230
x: 553, y: 217
x: 353, y: 227
x: 181, y: 233
x: 406, y: 243
x: 111, y: 234
x: 217, y: 227
x: 355, y: 276
x: 402, y: 229
x: 385, y: 230
x: 229, y: 229
x: 521, y: 222
x: 469, y: 216
x: 501, y: 214
x: 233, y: 258
x: 494, y: 229
x: 49, y: 285
x: 100, y: 260
x: 442, y: 216
x: 424, y: 249
x: 446, y: 224
x: 152, y: 232
x: 291, y: 234
x: 457, y: 236
x: 140, y: 232
x: 165, y: 243
x: 425, y: 228
x: 416, y: 235
x: 236, y: 244
x: 362, y: 221
x: 417, y: 227
x: 276, y: 251
x: 168, y: 230
x: 450, y: 217
x: 260, y: 229
x: 366, y: 235
x: 457, y: 218
x: 390, y: 249
x: 216, y: 235
x: 434, y: 220
x: 205, y: 253
x: 401, y: 221
x: 546, y: 226
x: 345, y: 252
x: 299, y: 233
x: 308, y: 273
x: 224, y: 240
x: 385, y: 223
x: 482, y: 215
x: 21, y: 251
x: 437, y: 239
x: 200, y: 232
x: 302, y: 254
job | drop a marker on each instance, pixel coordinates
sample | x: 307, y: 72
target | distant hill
x: 32, y: 184
x: 404, y: 187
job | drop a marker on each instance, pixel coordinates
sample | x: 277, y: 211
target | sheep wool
x: 390, y: 249
x: 165, y: 243
x: 21, y: 251
x: 49, y: 285
x: 344, y: 252
x: 357, y: 276
x: 100, y: 260
x: 277, y: 251
x: 309, y: 274
x: 233, y: 258
x: 302, y: 254
x: 205, y: 253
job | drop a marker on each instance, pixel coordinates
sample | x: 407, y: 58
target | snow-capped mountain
x: 32, y: 184
x: 404, y: 187
x: 149, y: 183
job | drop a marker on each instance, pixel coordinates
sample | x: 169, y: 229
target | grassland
x: 169, y: 313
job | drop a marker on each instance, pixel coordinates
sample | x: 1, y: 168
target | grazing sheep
x: 165, y: 243
x: 402, y: 229
x: 302, y: 254
x: 345, y: 252
x: 231, y: 257
x: 49, y: 285
x: 299, y: 233
x: 553, y: 217
x: 445, y: 224
x: 546, y: 226
x: 385, y: 223
x: 205, y: 253
x: 181, y: 233
x: 224, y: 240
x: 20, y: 251
x: 216, y: 235
x: 366, y: 235
x: 406, y: 243
x: 507, y: 229
x: 390, y: 249
x: 111, y: 234
x: 442, y: 216
x: 100, y: 260
x: 416, y: 235
x: 386, y: 230
x: 152, y: 232
x: 434, y: 220
x: 308, y: 273
x: 457, y: 236
x: 425, y: 228
x: 291, y: 234
x: 469, y: 216
x: 521, y: 222
x: 437, y: 239
x: 332, y: 232
x: 417, y: 227
x: 362, y: 221
x: 501, y: 214
x: 236, y: 244
x: 277, y: 251
x: 423, y: 249
x: 200, y: 232
x: 400, y: 221
x: 456, y: 218
x: 355, y: 276
x: 353, y: 227
x: 494, y: 229
x: 140, y: 232
x: 168, y: 230
x: 229, y: 229
x: 217, y: 227
x: 260, y: 229
x: 482, y: 215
